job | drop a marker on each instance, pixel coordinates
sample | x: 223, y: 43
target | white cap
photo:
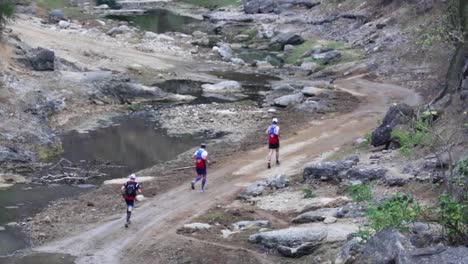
x: 275, y: 120
x: 132, y: 176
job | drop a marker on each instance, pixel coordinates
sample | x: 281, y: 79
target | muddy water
x: 21, y: 201
x: 161, y: 21
x: 39, y: 258
x: 133, y: 142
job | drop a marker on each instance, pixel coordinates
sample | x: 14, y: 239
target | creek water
x: 161, y: 21
x: 133, y: 141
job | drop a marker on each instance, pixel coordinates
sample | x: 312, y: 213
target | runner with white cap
x: 129, y: 192
x: 273, y: 141
x: 201, y: 160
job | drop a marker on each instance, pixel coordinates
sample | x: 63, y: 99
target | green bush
x: 308, y: 193
x: 359, y: 193
x: 409, y: 139
x: 363, y: 235
x: 453, y: 216
x: 7, y: 9
x: 396, y: 213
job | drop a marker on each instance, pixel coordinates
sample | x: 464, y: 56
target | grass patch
x: 71, y: 12
x: 46, y: 153
x: 212, y: 4
x: 396, y: 213
x: 453, y: 216
x: 308, y: 193
x: 297, y: 54
x: 359, y: 193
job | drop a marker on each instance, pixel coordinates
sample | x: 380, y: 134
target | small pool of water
x: 161, y: 21
x: 21, y: 201
x: 39, y: 258
x: 134, y: 141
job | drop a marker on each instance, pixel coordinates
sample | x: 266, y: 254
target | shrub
x: 396, y: 213
x: 359, y: 193
x: 453, y: 216
x: 308, y: 193
x: 7, y: 9
x: 363, y: 235
x: 409, y: 139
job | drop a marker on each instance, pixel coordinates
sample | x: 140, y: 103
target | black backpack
x: 131, y: 188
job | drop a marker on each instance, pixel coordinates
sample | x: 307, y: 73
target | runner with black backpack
x: 129, y: 192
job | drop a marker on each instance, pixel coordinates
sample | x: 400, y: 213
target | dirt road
x: 159, y: 217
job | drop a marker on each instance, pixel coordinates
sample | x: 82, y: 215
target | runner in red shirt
x: 273, y: 141
x: 129, y: 193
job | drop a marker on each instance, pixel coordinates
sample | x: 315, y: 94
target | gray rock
x: 396, y: 114
x: 225, y: 52
x: 327, y: 57
x: 328, y: 170
x: 63, y: 24
x: 118, y: 30
x: 253, y: 190
x: 238, y: 61
x: 288, y: 47
x: 425, y: 235
x: 41, y: 59
x: 364, y: 173
x: 330, y: 220
x: 12, y: 155
x: 242, y: 225
x: 287, y: 100
x: 280, y: 40
x: 347, y: 253
x: 259, y: 6
x: 56, y: 15
x: 314, y: 216
x: 278, y: 182
x: 241, y: 38
x: 263, y: 65
x: 439, y: 255
x: 299, y: 251
x: 386, y: 247
x: 351, y: 210
x: 289, y: 237
x: 284, y: 88
x: 309, y: 66
x: 150, y: 35
x: 320, y: 49
x: 222, y: 87
x: 312, y: 91
x: 194, y: 227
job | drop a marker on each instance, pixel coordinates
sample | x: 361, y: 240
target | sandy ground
x: 157, y: 219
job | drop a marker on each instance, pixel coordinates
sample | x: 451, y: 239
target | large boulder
x: 259, y: 6
x: 41, y: 59
x: 439, y: 255
x: 287, y: 100
x: 312, y: 91
x: 343, y: 170
x: 291, y: 237
x: 386, y: 247
x: 56, y: 15
x: 222, y: 87
x: 253, y: 190
x: 118, y: 30
x: 327, y: 170
x: 8, y: 155
x: 315, y: 216
x: 278, y: 182
x: 280, y: 40
x: 303, y: 240
x: 396, y: 115
x: 225, y: 51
